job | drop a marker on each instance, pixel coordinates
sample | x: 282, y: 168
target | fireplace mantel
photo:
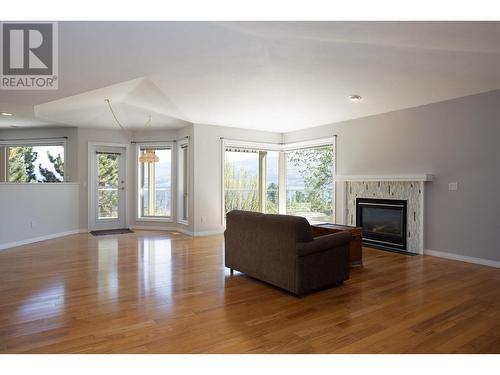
x: 401, y: 177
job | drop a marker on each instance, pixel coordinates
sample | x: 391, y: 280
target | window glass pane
x: 241, y: 179
x: 155, y: 180
x: 309, y: 183
x: 35, y: 163
x: 272, y: 182
x: 107, y: 181
x: 108, y: 203
x: 184, y: 184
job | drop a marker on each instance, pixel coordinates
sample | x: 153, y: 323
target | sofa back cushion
x: 295, y: 228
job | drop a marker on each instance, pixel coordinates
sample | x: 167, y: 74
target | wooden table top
x: 337, y: 226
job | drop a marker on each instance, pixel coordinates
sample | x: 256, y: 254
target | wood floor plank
x: 163, y: 292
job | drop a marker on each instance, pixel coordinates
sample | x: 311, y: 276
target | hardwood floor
x: 159, y: 292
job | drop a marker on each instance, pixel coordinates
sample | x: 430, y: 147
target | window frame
x: 138, y: 212
x: 282, y: 148
x: 313, y: 145
x: 183, y: 187
x: 5, y: 144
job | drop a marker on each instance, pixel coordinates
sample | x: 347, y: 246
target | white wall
x: 30, y: 211
x: 457, y: 141
x: 208, y: 171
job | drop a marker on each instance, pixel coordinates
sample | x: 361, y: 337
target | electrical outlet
x: 453, y: 186
x: 32, y: 224
x: 202, y: 219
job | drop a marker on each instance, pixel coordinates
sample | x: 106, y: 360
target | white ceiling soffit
x: 132, y: 102
x: 277, y: 76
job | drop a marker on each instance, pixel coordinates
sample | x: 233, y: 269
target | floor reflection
x: 155, y: 268
x: 108, y: 285
x: 45, y: 303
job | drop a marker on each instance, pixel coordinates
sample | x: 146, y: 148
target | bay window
x: 295, y: 179
x: 154, y: 181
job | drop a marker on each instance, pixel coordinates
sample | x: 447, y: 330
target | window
x: 295, y: 179
x: 155, y: 183
x: 309, y: 183
x: 251, y: 180
x: 108, y: 168
x: 32, y: 161
x: 183, y: 182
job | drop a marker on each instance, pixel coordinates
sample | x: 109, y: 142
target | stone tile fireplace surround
x: 409, y: 188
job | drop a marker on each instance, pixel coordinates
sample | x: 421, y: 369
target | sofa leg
x: 231, y: 271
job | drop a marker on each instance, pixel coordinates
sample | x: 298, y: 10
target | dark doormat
x: 110, y: 231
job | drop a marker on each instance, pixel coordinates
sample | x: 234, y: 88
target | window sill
x: 39, y: 183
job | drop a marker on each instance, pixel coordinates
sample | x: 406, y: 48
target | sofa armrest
x: 323, y: 243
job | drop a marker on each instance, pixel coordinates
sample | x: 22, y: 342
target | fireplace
x: 383, y: 222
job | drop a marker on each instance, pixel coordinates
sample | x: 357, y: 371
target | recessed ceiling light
x: 6, y: 114
x: 355, y: 98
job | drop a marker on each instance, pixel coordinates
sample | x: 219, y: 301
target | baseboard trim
x: 463, y: 258
x: 28, y: 241
x: 166, y: 229
x: 180, y: 230
x: 185, y: 231
x: 143, y: 227
x: 208, y: 233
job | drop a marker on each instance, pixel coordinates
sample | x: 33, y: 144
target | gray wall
x: 457, y: 141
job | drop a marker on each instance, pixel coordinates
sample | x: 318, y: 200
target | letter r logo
x: 27, y: 49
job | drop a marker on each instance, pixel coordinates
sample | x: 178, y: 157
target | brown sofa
x: 280, y: 250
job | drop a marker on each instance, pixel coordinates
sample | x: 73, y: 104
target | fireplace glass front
x: 383, y: 222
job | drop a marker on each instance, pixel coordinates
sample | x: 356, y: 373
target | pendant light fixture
x: 149, y: 156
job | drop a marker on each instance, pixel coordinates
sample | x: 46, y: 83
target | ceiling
x: 276, y: 76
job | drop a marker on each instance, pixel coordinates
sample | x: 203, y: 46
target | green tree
x: 315, y: 167
x: 108, y: 178
x: 241, y: 189
x: 58, y: 164
x: 22, y: 164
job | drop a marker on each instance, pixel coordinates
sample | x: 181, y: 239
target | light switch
x: 452, y: 186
